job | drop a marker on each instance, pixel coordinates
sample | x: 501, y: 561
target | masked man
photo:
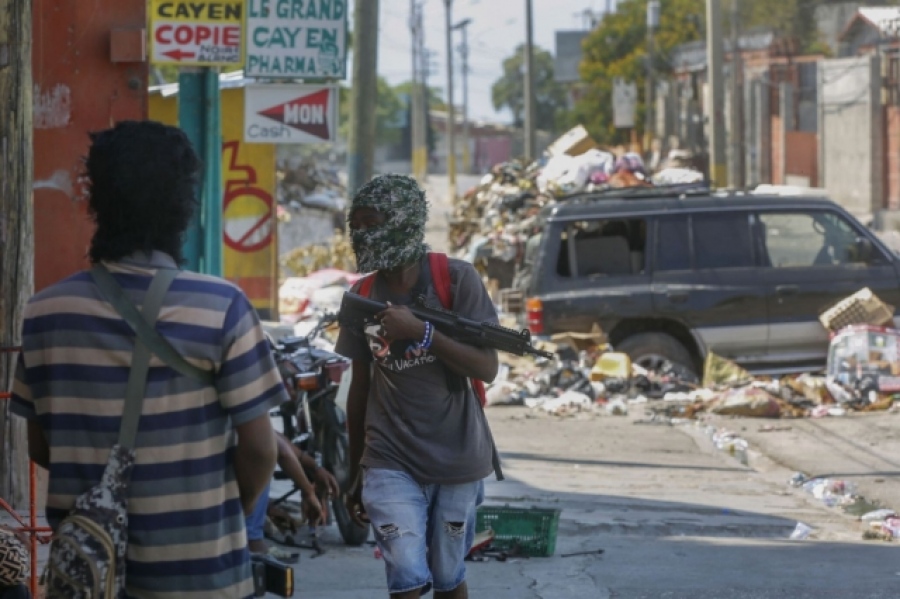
x: 419, y: 439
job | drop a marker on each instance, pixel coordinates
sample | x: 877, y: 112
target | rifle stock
x: 356, y: 310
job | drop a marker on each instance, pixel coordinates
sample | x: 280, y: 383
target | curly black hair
x: 144, y: 180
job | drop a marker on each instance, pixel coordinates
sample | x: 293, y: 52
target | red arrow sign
x: 307, y: 113
x: 179, y: 54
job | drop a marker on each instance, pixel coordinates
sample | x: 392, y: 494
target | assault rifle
x: 356, y: 311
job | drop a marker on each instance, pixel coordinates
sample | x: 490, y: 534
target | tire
x: 659, y: 352
x: 335, y: 461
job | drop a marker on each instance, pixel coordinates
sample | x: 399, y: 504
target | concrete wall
x: 851, y: 142
x: 892, y: 157
x: 77, y: 89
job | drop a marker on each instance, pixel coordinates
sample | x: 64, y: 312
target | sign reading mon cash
x: 290, y: 114
x: 296, y: 39
x: 196, y: 33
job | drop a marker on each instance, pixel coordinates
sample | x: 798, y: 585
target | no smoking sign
x: 248, y: 223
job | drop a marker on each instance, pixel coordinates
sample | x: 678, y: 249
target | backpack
x: 440, y: 276
x: 88, y: 549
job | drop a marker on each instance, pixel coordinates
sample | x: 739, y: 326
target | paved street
x: 676, y: 518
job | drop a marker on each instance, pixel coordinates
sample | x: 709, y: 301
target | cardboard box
x: 574, y: 142
x: 863, y: 307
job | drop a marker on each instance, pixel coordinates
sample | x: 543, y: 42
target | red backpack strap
x: 365, y: 285
x: 440, y: 275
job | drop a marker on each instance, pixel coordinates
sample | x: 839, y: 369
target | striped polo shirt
x: 186, y: 526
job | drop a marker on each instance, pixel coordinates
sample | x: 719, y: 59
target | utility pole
x: 451, y: 113
x: 361, y: 144
x: 427, y: 68
x: 16, y: 230
x: 736, y: 177
x: 530, y: 150
x: 650, y: 93
x: 415, y: 97
x: 718, y: 170
x: 464, y: 53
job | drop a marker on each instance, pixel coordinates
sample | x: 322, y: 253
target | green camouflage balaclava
x: 400, y: 239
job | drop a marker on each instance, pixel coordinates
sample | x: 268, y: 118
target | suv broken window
x: 603, y: 248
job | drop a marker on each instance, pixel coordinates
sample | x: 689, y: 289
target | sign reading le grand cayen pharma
x: 296, y: 39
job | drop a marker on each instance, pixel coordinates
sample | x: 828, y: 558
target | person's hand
x: 398, y: 322
x: 312, y: 509
x: 327, y: 480
x: 354, y: 503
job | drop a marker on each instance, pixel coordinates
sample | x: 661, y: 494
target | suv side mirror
x: 864, y: 250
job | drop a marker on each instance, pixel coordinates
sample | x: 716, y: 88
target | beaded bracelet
x: 429, y: 336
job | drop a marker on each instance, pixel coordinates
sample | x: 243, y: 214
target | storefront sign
x: 290, y: 114
x: 297, y: 39
x: 196, y: 33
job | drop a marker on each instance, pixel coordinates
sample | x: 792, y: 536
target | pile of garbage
x: 316, y: 277
x: 862, y: 375
x: 492, y: 222
x: 308, y: 183
x: 881, y: 523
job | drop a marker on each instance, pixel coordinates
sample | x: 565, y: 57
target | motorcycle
x: 315, y: 418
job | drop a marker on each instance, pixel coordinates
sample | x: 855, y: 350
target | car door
x: 598, y: 274
x: 705, y: 275
x: 814, y: 259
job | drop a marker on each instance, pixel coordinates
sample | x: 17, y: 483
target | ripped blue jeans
x: 424, y: 531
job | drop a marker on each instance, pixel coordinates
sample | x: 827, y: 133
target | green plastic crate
x: 527, y: 531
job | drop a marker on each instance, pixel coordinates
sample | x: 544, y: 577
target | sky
x: 497, y: 27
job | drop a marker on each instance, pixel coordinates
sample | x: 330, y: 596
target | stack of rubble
x: 317, y: 276
x: 863, y: 375
x: 492, y: 222
x: 310, y: 184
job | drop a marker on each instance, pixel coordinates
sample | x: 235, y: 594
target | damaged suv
x: 672, y: 274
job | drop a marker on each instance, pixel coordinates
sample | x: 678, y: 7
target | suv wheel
x: 660, y: 353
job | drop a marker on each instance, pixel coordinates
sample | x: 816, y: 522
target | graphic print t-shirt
x: 417, y: 421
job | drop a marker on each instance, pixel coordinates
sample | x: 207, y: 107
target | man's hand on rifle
x: 398, y: 322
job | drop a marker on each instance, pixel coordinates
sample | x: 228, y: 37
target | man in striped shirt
x: 204, y: 453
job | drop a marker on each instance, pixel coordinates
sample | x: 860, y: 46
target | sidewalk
x: 858, y: 448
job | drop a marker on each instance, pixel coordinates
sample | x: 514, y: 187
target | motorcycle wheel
x: 335, y: 458
x: 352, y: 534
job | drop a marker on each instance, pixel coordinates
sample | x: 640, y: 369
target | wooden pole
x: 16, y: 229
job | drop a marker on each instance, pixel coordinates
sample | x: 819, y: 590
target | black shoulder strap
x: 147, y: 333
x: 140, y: 360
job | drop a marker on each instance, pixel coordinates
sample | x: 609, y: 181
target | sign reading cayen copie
x: 296, y: 39
x: 197, y: 33
x: 290, y: 114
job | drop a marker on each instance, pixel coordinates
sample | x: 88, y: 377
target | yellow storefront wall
x: 249, y: 255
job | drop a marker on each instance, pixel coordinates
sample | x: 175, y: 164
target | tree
x: 509, y: 90
x: 16, y: 226
x: 435, y: 95
x: 618, y: 49
x: 388, y: 109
